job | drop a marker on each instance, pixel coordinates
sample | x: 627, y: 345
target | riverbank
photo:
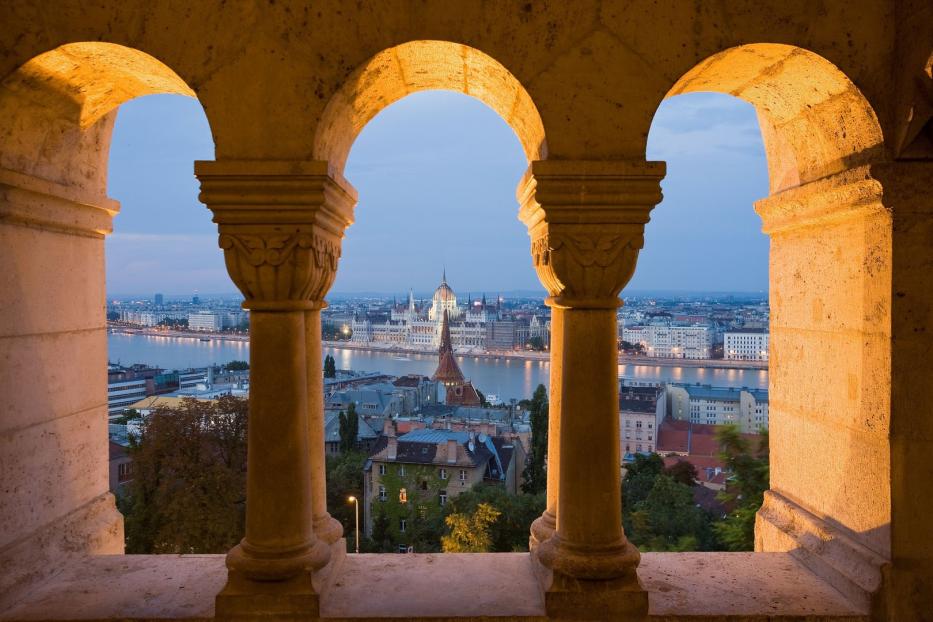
x: 525, y: 355
x: 505, y: 355
x: 177, y: 334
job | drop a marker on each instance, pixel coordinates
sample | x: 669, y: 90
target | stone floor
x: 682, y: 586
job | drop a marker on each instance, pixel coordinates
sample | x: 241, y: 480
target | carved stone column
x: 280, y: 225
x: 326, y: 527
x: 586, y: 221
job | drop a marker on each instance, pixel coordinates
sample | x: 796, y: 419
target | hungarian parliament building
x: 474, y: 326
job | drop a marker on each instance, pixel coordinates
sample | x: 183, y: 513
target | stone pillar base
x: 825, y: 549
x: 244, y: 599
x: 542, y: 529
x: 296, y: 599
x: 567, y: 598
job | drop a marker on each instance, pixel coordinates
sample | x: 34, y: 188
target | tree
x: 112, y: 316
x: 639, y: 478
x: 535, y: 475
x: 330, y: 367
x: 188, y: 490
x: 745, y: 488
x: 658, y: 510
x: 509, y: 532
x: 535, y: 343
x: 174, y: 322
x: 349, y: 427
x: 345, y: 479
x: 469, y: 533
x: 381, y: 538
x: 237, y: 366
x: 683, y: 472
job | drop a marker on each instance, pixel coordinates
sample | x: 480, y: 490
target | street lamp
x: 356, y: 502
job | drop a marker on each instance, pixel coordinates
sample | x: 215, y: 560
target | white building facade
x: 409, y: 326
x: 746, y: 408
x: 746, y: 345
x: 676, y: 342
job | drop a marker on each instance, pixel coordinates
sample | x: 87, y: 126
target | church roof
x: 447, y: 368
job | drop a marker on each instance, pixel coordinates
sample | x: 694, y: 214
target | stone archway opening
x: 58, y: 111
x: 382, y: 82
x: 830, y: 299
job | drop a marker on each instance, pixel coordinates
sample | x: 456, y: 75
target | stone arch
x: 830, y: 271
x: 419, y: 66
x: 57, y: 110
x: 814, y: 120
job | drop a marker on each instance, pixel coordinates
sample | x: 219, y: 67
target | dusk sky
x: 436, y: 174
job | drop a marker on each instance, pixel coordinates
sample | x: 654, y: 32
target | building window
x: 402, y: 495
x: 424, y: 484
x: 401, y: 470
x: 443, y: 497
x: 382, y: 494
x: 443, y: 473
x: 402, y: 525
x: 463, y: 475
x: 382, y: 469
x: 124, y: 472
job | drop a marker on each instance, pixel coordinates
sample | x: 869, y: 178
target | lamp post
x: 356, y: 503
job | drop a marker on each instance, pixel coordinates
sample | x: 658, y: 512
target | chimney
x: 451, y: 451
x: 392, y: 448
x: 388, y: 427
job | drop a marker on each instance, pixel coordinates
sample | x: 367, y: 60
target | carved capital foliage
x: 586, y: 221
x: 281, y: 226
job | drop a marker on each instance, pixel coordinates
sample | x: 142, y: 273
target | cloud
x: 705, y: 125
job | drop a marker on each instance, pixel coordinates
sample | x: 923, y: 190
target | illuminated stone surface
x: 843, y: 93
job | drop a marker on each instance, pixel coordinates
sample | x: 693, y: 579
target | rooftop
x: 722, y: 394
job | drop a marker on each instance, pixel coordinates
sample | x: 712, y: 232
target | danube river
x: 507, y: 379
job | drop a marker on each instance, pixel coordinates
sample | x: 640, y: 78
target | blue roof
x: 723, y: 394
x: 426, y: 435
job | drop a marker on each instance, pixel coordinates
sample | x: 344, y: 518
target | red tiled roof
x: 695, y: 439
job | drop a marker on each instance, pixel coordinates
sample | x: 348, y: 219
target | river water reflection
x: 505, y: 378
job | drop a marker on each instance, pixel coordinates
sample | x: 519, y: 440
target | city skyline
x: 443, y: 149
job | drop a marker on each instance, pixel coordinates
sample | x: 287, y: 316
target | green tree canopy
x: 330, y: 367
x: 535, y: 476
x: 744, y: 492
x: 188, y: 489
x: 349, y: 428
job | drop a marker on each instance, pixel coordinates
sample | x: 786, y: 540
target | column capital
x: 586, y: 220
x: 281, y: 224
